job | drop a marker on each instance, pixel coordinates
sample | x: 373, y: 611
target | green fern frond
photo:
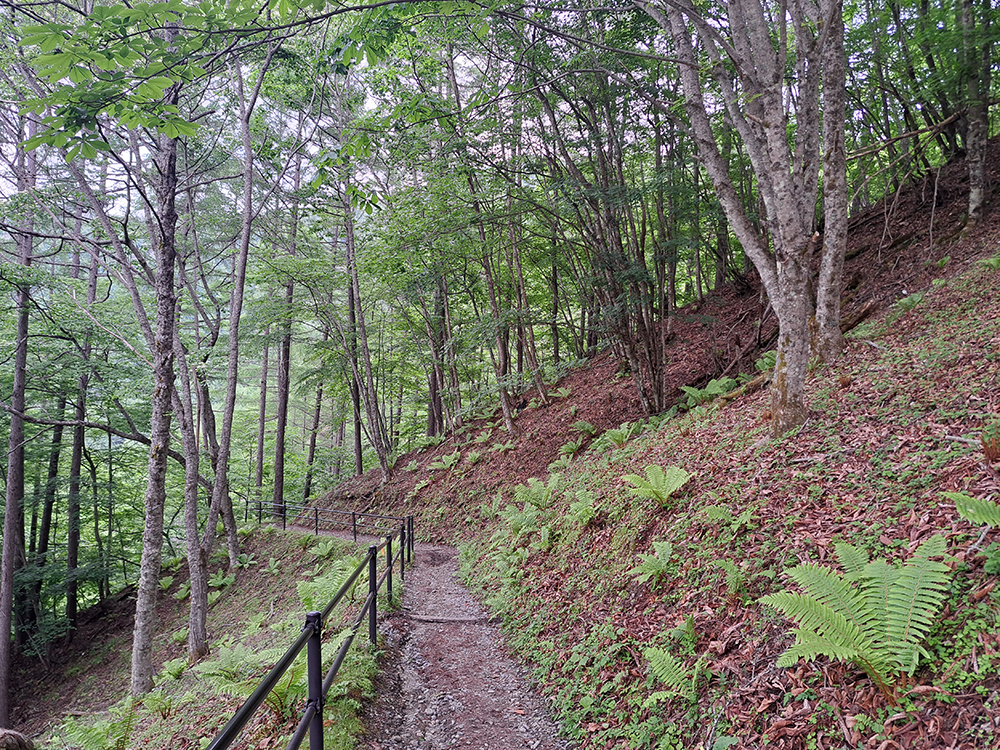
x: 852, y: 559
x: 718, y: 513
x: 829, y: 589
x: 672, y: 672
x: 877, y: 578
x: 974, y: 510
x: 914, y: 600
x: 816, y: 617
x: 808, y: 645
x: 877, y: 615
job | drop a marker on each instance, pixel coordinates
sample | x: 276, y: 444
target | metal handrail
x: 311, y: 636
x: 358, y: 519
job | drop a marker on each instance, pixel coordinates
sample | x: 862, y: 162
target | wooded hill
x: 251, y: 249
x: 895, y: 425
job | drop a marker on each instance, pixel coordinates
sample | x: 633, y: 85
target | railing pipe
x: 402, y: 551
x: 231, y: 731
x: 373, y: 593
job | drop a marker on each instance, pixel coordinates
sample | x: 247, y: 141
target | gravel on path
x: 448, y: 680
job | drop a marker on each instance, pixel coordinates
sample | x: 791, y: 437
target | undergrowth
x: 251, y: 630
x: 638, y: 603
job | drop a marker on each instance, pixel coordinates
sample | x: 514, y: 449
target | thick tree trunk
x: 281, y: 396
x: 12, y: 554
x: 197, y: 558
x: 829, y: 340
x: 976, y: 63
x: 159, y: 433
x: 787, y: 171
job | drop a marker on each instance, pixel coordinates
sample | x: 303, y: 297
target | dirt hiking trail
x: 448, y: 680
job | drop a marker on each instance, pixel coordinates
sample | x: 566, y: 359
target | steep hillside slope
x: 587, y: 574
x: 895, y: 248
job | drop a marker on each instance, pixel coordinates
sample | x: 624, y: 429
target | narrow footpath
x: 448, y: 681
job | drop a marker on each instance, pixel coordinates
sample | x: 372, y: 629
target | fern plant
x: 698, y: 396
x: 447, y: 461
x: 103, y: 734
x: 735, y: 578
x: 585, y: 427
x: 656, y: 566
x: 992, y: 263
x: 974, y: 510
x: 537, y: 493
x: 672, y: 672
x: 659, y: 484
x: 563, y: 462
x: 722, y: 514
x: 876, y: 615
x: 582, y: 510
x: 571, y: 448
x: 990, y: 438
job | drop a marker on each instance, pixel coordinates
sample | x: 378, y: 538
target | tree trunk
x: 12, y: 555
x: 976, y: 65
x: 787, y: 171
x: 313, y: 432
x: 163, y: 375
x: 261, y: 421
x: 73, y: 507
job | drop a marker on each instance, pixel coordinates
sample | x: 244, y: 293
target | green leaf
x: 975, y: 510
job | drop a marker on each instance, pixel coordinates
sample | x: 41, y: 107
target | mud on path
x: 448, y: 680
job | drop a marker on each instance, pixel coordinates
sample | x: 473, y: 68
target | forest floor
x: 894, y: 408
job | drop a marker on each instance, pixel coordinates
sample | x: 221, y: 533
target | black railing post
x: 354, y: 525
x: 402, y: 551
x: 260, y: 512
x: 316, y: 522
x: 314, y: 664
x: 388, y: 571
x: 372, y: 593
x: 409, y: 537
